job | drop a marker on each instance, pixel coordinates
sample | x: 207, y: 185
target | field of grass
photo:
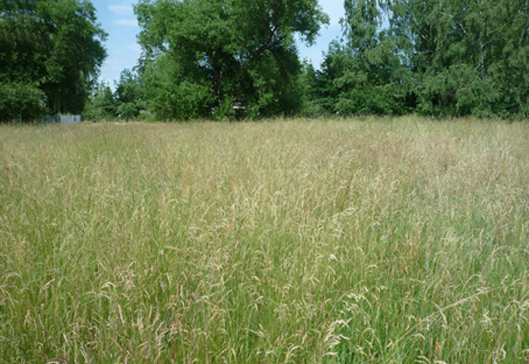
x: 288, y: 241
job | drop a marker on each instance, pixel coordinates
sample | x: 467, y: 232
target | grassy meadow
x: 289, y: 241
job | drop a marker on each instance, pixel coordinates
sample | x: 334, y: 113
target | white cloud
x: 121, y: 10
x: 127, y: 22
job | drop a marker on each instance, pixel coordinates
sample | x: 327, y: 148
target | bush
x: 21, y: 100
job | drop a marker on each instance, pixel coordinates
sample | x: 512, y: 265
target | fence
x: 61, y: 119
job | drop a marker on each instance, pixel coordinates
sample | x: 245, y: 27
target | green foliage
x: 359, y: 76
x: 101, y: 104
x: 173, y: 95
x: 19, y: 100
x: 207, y: 55
x: 308, y: 82
x: 55, y: 46
x: 457, y: 91
x: 464, y: 58
x: 438, y: 58
x: 127, y: 101
x: 130, y: 95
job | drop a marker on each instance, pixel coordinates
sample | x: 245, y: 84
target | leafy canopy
x: 51, y: 46
x: 358, y: 75
x: 434, y: 57
x: 203, y: 55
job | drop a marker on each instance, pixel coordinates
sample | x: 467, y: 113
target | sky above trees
x: 118, y: 20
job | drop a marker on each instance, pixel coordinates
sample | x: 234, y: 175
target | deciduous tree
x: 130, y: 94
x: 361, y: 75
x: 204, y: 55
x: 55, y: 46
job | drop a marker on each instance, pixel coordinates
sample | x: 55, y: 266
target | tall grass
x: 375, y: 241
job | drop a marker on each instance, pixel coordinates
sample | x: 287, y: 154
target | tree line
x: 442, y: 57
x: 227, y: 58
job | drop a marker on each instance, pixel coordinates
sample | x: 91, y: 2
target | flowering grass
x: 289, y: 241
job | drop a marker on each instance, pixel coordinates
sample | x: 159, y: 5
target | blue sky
x: 118, y: 20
